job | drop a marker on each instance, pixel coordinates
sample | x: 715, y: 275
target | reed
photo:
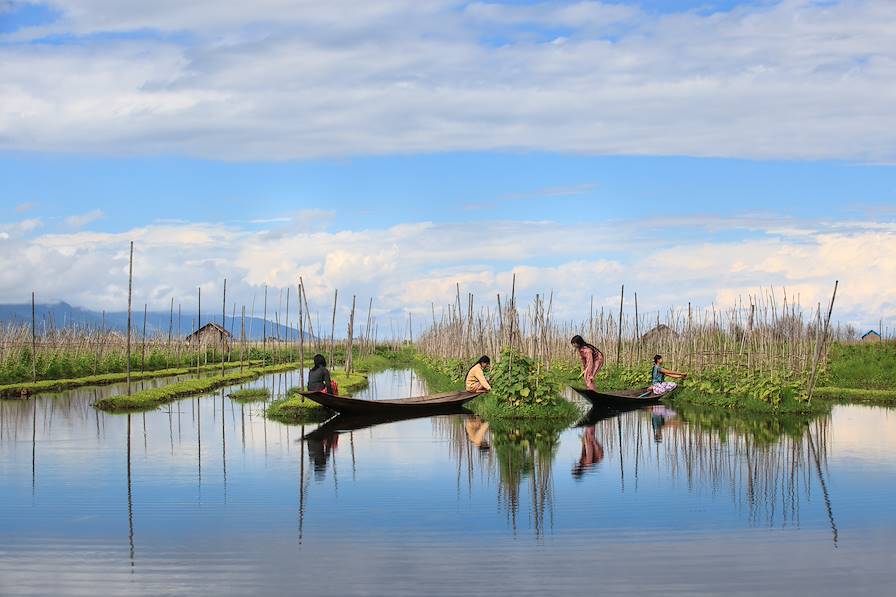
x: 767, y: 333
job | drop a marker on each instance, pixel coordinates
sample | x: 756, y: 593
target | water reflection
x: 212, y: 482
x: 768, y: 466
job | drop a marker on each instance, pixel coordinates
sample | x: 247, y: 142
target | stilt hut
x: 210, y: 336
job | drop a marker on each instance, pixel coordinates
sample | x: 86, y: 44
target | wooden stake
x: 223, y: 326
x: 130, y: 289
x: 301, y: 338
x: 34, y: 343
x: 333, y: 328
x: 619, y: 325
x: 143, y: 341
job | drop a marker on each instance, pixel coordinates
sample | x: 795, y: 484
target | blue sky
x: 695, y: 150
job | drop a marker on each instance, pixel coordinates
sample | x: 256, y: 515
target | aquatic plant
x: 250, y: 394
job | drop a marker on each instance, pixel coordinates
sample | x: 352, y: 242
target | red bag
x: 332, y: 389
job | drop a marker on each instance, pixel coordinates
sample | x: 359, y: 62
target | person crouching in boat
x: 592, y: 359
x: 476, y: 381
x: 660, y: 385
x: 319, y: 376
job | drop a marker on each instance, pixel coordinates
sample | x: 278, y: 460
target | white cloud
x: 282, y: 80
x: 81, y: 220
x: 410, y: 266
x: 24, y: 207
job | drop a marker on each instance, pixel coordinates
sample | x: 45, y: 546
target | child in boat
x: 476, y: 381
x: 592, y: 360
x: 658, y: 377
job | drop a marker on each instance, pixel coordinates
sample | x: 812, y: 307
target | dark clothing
x: 318, y: 379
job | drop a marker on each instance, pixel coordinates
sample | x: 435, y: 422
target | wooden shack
x: 658, y: 335
x: 210, y: 336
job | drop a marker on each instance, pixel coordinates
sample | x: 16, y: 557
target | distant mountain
x: 63, y: 315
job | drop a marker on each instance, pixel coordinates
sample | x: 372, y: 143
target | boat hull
x: 623, y: 398
x: 422, y: 405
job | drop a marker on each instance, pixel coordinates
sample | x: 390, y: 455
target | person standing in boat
x: 319, y: 377
x: 592, y: 360
x: 658, y: 378
x: 476, y: 381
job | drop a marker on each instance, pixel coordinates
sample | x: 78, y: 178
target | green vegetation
x: 57, y: 385
x: 87, y: 360
x: 250, y: 394
x: 751, y: 405
x: 441, y: 375
x: 296, y: 409
x: 153, y: 397
x: 870, y: 366
x: 855, y: 394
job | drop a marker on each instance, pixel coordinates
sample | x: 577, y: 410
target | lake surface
x: 207, y: 496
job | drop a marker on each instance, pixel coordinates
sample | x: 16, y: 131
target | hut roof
x: 660, y: 331
x: 211, y: 326
x: 870, y: 333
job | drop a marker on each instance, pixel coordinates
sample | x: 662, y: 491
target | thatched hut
x: 210, y: 335
x: 659, y: 335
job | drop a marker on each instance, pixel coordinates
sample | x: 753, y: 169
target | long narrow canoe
x: 623, y: 397
x: 420, y: 404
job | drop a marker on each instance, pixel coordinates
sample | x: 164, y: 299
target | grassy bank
x: 869, y: 366
x: 16, y: 390
x: 91, y: 359
x: 153, y: 397
x: 250, y: 395
x: 295, y: 408
x: 786, y: 405
x: 855, y: 394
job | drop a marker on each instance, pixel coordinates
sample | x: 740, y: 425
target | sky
x: 693, y: 151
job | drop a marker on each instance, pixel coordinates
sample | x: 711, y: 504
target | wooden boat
x: 640, y: 397
x: 434, y: 404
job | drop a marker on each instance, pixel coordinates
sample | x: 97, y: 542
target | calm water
x: 209, y: 497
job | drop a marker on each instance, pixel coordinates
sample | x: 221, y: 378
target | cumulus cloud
x: 280, y: 80
x: 410, y: 267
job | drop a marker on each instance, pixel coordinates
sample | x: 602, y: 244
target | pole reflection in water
x: 130, y: 499
x: 767, y: 465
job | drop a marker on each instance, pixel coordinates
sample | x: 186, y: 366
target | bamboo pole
x: 196, y: 336
x: 223, y: 326
x: 143, y: 342
x: 619, y: 325
x: 264, y: 337
x: 170, y: 329
x: 349, y: 357
x: 34, y: 342
x: 130, y: 289
x: 242, y: 336
x: 333, y: 329
x: 301, y: 338
x: 824, y: 339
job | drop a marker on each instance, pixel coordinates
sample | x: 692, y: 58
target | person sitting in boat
x: 660, y: 385
x: 476, y: 381
x: 592, y: 360
x: 319, y: 376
